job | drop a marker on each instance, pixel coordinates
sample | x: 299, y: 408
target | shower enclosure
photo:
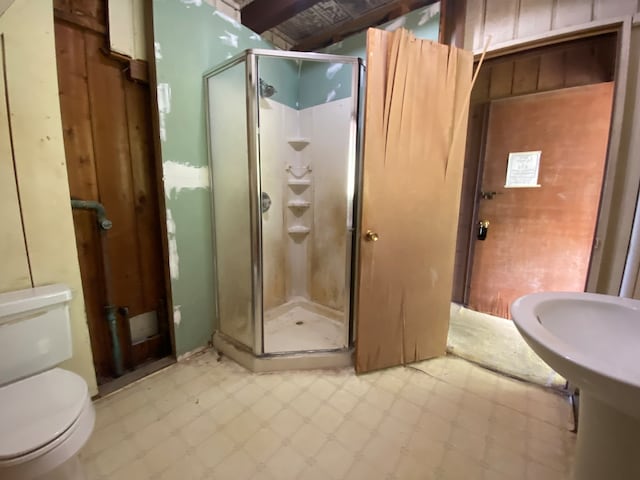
x: 282, y: 131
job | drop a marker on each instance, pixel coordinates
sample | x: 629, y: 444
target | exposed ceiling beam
x: 373, y: 18
x: 261, y: 15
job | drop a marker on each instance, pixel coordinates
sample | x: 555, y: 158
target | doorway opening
x: 546, y: 111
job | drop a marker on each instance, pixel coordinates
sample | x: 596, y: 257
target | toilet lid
x: 38, y: 409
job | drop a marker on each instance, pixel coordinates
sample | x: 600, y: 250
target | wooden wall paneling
x: 90, y: 14
x: 16, y: 273
x: 572, y: 64
x: 74, y: 104
x: 78, y: 142
x: 93, y: 9
x: 577, y: 63
x: 506, y: 20
x: 572, y: 12
x: 525, y: 75
x: 144, y: 192
x: 151, y: 348
x: 113, y: 166
x: 605, y: 56
x: 148, y: 217
x: 474, y: 24
x: 480, y: 91
x: 501, y: 79
x: 500, y: 19
x: 62, y: 5
x: 551, y: 74
x: 109, y: 149
x: 534, y: 17
x: 613, y: 8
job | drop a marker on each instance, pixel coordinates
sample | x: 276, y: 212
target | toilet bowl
x: 46, y: 414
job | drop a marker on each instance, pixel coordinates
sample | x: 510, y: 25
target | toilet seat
x: 37, y: 410
x: 43, y: 434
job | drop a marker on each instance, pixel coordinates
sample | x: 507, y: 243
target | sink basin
x: 593, y: 341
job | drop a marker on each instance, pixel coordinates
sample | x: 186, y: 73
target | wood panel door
x: 540, y: 239
x: 106, y: 122
x: 415, y: 122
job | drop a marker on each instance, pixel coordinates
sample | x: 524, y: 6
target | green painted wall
x: 191, y: 39
x: 319, y: 83
x: 284, y: 76
x: 322, y: 82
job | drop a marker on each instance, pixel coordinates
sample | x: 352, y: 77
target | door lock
x: 483, y: 228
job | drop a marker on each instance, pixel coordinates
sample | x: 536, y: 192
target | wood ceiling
x: 313, y: 24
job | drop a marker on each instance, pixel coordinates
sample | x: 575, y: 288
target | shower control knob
x: 371, y: 236
x: 265, y: 202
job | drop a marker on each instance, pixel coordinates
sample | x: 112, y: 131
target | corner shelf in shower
x: 298, y: 143
x: 298, y: 230
x: 298, y: 204
x: 299, y: 182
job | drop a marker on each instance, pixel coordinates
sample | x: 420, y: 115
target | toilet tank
x: 35, y: 332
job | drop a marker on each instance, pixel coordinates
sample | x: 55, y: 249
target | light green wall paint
x: 317, y: 82
x: 191, y: 39
x: 284, y: 76
x: 322, y: 82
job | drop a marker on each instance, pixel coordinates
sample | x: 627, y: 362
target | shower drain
x: 299, y: 322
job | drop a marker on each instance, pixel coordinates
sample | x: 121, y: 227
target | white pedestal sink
x: 593, y: 341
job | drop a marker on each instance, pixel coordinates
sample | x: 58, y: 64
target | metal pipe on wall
x: 104, y: 224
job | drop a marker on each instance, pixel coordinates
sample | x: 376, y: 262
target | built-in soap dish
x: 298, y: 143
x: 298, y: 230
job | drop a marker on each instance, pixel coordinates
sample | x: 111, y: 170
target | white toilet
x: 46, y: 414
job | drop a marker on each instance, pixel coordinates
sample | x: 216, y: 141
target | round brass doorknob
x: 372, y: 236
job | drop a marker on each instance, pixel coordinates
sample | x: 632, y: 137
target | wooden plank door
x: 541, y: 238
x: 415, y: 118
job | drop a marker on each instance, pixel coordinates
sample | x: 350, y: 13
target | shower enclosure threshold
x: 311, y: 360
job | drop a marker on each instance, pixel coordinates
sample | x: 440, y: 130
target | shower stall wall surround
x: 282, y: 132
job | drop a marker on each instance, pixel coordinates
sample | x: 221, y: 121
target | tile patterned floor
x: 204, y: 419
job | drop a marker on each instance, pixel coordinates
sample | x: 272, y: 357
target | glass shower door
x: 229, y: 164
x: 307, y: 106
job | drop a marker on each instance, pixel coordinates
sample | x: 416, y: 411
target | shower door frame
x: 354, y: 169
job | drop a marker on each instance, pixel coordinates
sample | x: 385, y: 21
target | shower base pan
x: 302, y: 325
x: 313, y: 360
